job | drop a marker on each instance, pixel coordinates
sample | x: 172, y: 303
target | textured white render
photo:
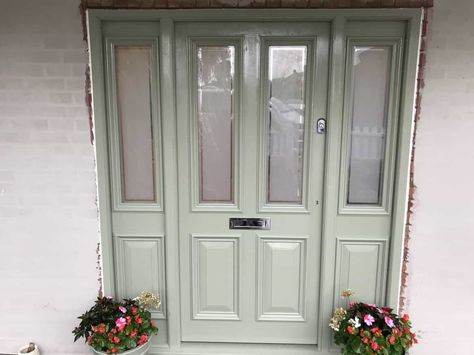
x: 48, y: 218
x: 441, y: 269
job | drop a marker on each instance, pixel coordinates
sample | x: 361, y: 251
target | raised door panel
x: 141, y: 267
x: 361, y: 266
x: 215, y: 264
x: 281, y: 279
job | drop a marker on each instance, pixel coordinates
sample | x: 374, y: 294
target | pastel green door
x: 249, y: 97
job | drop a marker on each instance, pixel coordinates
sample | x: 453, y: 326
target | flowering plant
x: 114, y: 327
x: 369, y: 329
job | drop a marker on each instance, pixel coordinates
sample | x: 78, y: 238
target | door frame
x: 338, y: 20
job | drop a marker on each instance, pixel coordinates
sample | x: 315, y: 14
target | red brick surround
x: 322, y: 4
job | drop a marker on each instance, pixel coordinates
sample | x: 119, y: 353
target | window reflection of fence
x: 289, y: 141
x: 368, y: 143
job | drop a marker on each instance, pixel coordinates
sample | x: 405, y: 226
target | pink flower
x: 368, y: 319
x: 389, y: 322
x: 121, y: 323
x: 373, y: 305
x: 123, y: 309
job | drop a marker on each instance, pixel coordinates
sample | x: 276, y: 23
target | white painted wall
x: 48, y: 222
x: 48, y: 218
x: 441, y: 269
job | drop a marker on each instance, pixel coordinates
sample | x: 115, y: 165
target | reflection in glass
x: 370, y: 82
x: 286, y: 75
x: 215, y: 85
x: 134, y: 109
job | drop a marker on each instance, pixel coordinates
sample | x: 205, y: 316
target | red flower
x: 134, y: 333
x: 365, y: 340
x: 89, y: 339
x: 350, y: 330
x: 134, y: 310
x: 152, y: 322
x: 129, y: 319
x: 391, y: 339
x: 406, y: 318
x: 114, y: 349
x: 101, y: 328
x: 138, y: 320
x: 143, y: 339
x: 116, y: 340
x: 376, y: 331
x: 374, y: 346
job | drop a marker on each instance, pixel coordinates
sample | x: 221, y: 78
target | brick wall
x: 48, y: 222
x: 255, y: 3
x: 48, y: 218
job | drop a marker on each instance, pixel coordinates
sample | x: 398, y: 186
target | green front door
x: 250, y: 95
x: 216, y: 189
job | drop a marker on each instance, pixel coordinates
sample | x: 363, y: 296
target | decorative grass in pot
x: 368, y: 329
x: 119, y: 327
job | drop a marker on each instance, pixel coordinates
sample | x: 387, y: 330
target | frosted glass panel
x: 370, y: 81
x: 286, y: 122
x: 215, y: 115
x: 134, y: 109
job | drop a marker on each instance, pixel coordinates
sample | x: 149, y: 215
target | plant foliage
x: 368, y: 329
x: 114, y: 327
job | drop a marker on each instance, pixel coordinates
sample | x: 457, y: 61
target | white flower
x: 355, y: 322
x: 340, y: 313
x: 334, y: 324
x: 347, y: 293
x: 149, y: 300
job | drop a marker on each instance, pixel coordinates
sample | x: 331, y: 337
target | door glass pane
x: 134, y: 109
x: 215, y: 102
x: 286, y: 110
x: 370, y: 82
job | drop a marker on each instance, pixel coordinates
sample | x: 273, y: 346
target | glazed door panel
x: 249, y: 98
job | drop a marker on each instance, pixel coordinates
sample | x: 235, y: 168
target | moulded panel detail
x: 215, y: 285
x: 281, y: 279
x: 141, y: 267
x: 361, y: 267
